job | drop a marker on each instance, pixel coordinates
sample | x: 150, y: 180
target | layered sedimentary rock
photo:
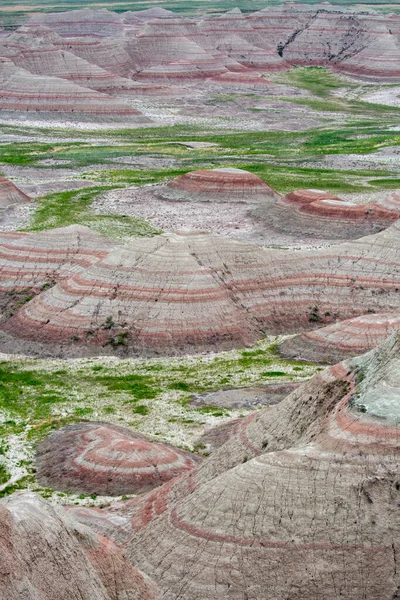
x: 180, y: 293
x: 149, y: 13
x: 84, y: 22
x: 252, y: 210
x: 33, y: 49
x: 301, y: 502
x: 359, y: 43
x: 45, y: 555
x: 380, y: 60
x: 158, y: 44
x: 10, y: 194
x: 160, y: 294
x: 219, y: 185
x: 98, y: 458
x: 174, y: 57
x: 51, y: 97
x: 34, y: 260
x: 245, y: 78
x: 342, y: 340
x: 319, y: 214
x: 233, y: 35
x: 108, y: 53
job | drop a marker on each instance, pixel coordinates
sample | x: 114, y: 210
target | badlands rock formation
x: 252, y: 210
x: 93, y: 63
x: 178, y: 293
x: 301, y: 502
x: 363, y: 44
x: 46, y: 555
x: 82, y: 23
x: 98, y: 458
x: 162, y: 294
x: 50, y: 97
x: 36, y: 50
x: 342, y: 340
x: 219, y: 185
x: 318, y: 214
x: 36, y: 260
x: 218, y: 201
x: 10, y: 195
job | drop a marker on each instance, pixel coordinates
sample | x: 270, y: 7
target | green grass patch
x: 38, y: 397
x: 274, y: 374
x: 386, y: 184
x: 141, y: 409
x: 73, y: 207
x: 4, y: 474
x: 141, y: 387
x: 214, y: 411
x: 180, y: 385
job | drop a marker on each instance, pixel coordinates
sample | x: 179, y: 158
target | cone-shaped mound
x: 33, y: 49
x: 32, y: 260
x: 358, y: 43
x: 150, y: 13
x: 341, y: 340
x: 23, y: 92
x: 219, y: 185
x: 379, y: 61
x: 98, y: 458
x: 108, y: 53
x: 304, y: 197
x: 162, y: 294
x: 46, y: 555
x: 315, y: 213
x: 10, y: 194
x: 175, y: 294
x: 81, y: 22
x: 171, y: 57
x: 318, y: 501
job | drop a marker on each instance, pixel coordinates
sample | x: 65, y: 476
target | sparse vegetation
x: 314, y: 315
x: 39, y: 396
x: 66, y: 208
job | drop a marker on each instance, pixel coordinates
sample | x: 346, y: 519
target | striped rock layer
x: 218, y: 185
x: 342, y: 340
x: 87, y: 64
x: 319, y: 214
x: 35, y: 260
x: 363, y: 44
x: 98, y: 458
x: 178, y: 293
x: 300, y: 502
x: 24, y: 92
x: 46, y: 555
x: 10, y: 194
x: 35, y: 50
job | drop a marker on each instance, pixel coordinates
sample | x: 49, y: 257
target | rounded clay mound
x: 319, y: 214
x: 46, y: 554
x: 175, y: 294
x: 53, y: 97
x: 219, y: 185
x: 98, y: 458
x: 30, y: 260
x: 157, y: 295
x: 10, y: 194
x: 311, y: 481
x: 341, y: 340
